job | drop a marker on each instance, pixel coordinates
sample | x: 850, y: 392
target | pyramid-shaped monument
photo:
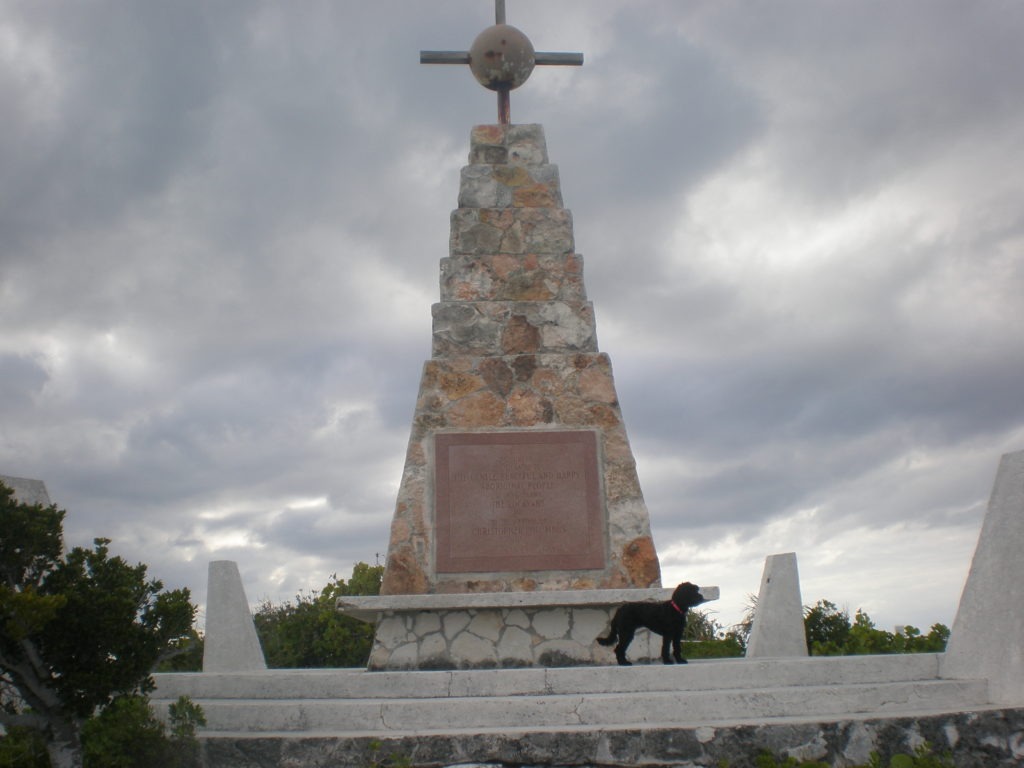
x: 520, y: 524
x: 519, y: 475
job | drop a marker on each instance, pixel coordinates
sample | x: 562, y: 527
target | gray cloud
x: 220, y: 227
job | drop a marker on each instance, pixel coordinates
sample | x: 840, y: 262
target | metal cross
x: 501, y: 59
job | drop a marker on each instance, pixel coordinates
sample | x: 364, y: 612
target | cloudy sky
x: 221, y: 222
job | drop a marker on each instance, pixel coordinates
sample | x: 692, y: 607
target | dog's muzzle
x: 707, y: 594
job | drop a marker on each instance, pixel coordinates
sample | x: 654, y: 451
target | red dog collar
x: 673, y: 604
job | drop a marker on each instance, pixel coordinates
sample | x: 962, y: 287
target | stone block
x: 778, y: 629
x: 501, y: 328
x: 987, y: 638
x: 508, y: 144
x: 503, y: 277
x: 497, y: 186
x: 27, y: 491
x: 473, y: 651
x: 231, y: 643
x: 517, y: 231
x: 552, y: 625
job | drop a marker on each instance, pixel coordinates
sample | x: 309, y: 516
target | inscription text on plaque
x: 517, y: 501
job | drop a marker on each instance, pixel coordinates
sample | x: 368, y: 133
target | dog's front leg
x: 677, y: 649
x: 666, y: 642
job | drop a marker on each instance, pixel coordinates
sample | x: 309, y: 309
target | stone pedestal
x: 778, y: 628
x: 519, y: 476
x: 986, y: 639
x: 232, y: 644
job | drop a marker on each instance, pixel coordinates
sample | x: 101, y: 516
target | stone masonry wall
x: 496, y: 637
x: 984, y: 739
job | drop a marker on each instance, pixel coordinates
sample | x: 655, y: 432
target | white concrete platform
x: 359, y: 703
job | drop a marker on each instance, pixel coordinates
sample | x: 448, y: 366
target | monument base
x: 554, y: 628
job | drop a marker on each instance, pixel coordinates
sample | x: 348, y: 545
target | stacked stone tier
x: 513, y: 277
x: 484, y: 328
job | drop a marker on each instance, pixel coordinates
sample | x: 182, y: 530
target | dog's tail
x: 612, y: 637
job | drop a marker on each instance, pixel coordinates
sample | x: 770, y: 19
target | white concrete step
x: 697, y: 675
x: 363, y: 716
x: 359, y: 703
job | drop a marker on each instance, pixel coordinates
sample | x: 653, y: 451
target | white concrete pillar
x: 987, y: 639
x: 231, y: 643
x: 779, y: 616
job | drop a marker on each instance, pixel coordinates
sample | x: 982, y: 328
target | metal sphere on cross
x: 501, y: 59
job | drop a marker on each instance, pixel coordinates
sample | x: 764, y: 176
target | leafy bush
x: 830, y: 632
x: 127, y: 734
x: 311, y: 633
x: 23, y: 748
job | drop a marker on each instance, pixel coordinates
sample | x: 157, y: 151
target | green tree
x: 831, y: 633
x: 311, y: 633
x: 128, y: 734
x: 705, y: 638
x: 76, y: 629
x: 827, y: 629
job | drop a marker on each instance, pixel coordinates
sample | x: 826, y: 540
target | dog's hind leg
x: 625, y: 638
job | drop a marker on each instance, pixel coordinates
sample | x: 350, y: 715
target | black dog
x: 666, y: 619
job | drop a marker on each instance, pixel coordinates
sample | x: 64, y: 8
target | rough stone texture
x: 982, y: 739
x: 778, y: 628
x: 231, y: 643
x: 504, y: 277
x: 515, y: 348
x: 499, y: 637
x: 987, y: 639
x: 474, y: 329
x: 26, y: 490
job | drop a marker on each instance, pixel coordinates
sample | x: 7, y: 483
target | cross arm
x: 444, y: 57
x: 565, y: 59
x: 462, y: 57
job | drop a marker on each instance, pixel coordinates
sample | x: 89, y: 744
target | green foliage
x: 311, y: 633
x: 112, y: 629
x: 23, y: 748
x: 184, y: 654
x: 725, y: 647
x: 77, y: 630
x: 705, y: 638
x: 831, y: 633
x: 127, y: 734
x: 827, y: 629
x: 924, y: 757
x: 379, y: 760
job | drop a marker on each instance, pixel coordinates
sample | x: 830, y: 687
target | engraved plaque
x: 517, y: 501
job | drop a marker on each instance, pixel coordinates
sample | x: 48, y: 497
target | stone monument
x: 26, y: 490
x: 520, y: 522
x: 519, y: 475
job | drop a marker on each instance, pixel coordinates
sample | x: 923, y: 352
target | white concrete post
x: 231, y: 643
x: 987, y: 639
x: 779, y: 616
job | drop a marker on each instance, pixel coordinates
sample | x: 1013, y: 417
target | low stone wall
x: 500, y: 630
x: 985, y: 739
x: 488, y: 638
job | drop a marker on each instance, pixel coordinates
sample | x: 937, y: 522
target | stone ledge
x: 369, y: 608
